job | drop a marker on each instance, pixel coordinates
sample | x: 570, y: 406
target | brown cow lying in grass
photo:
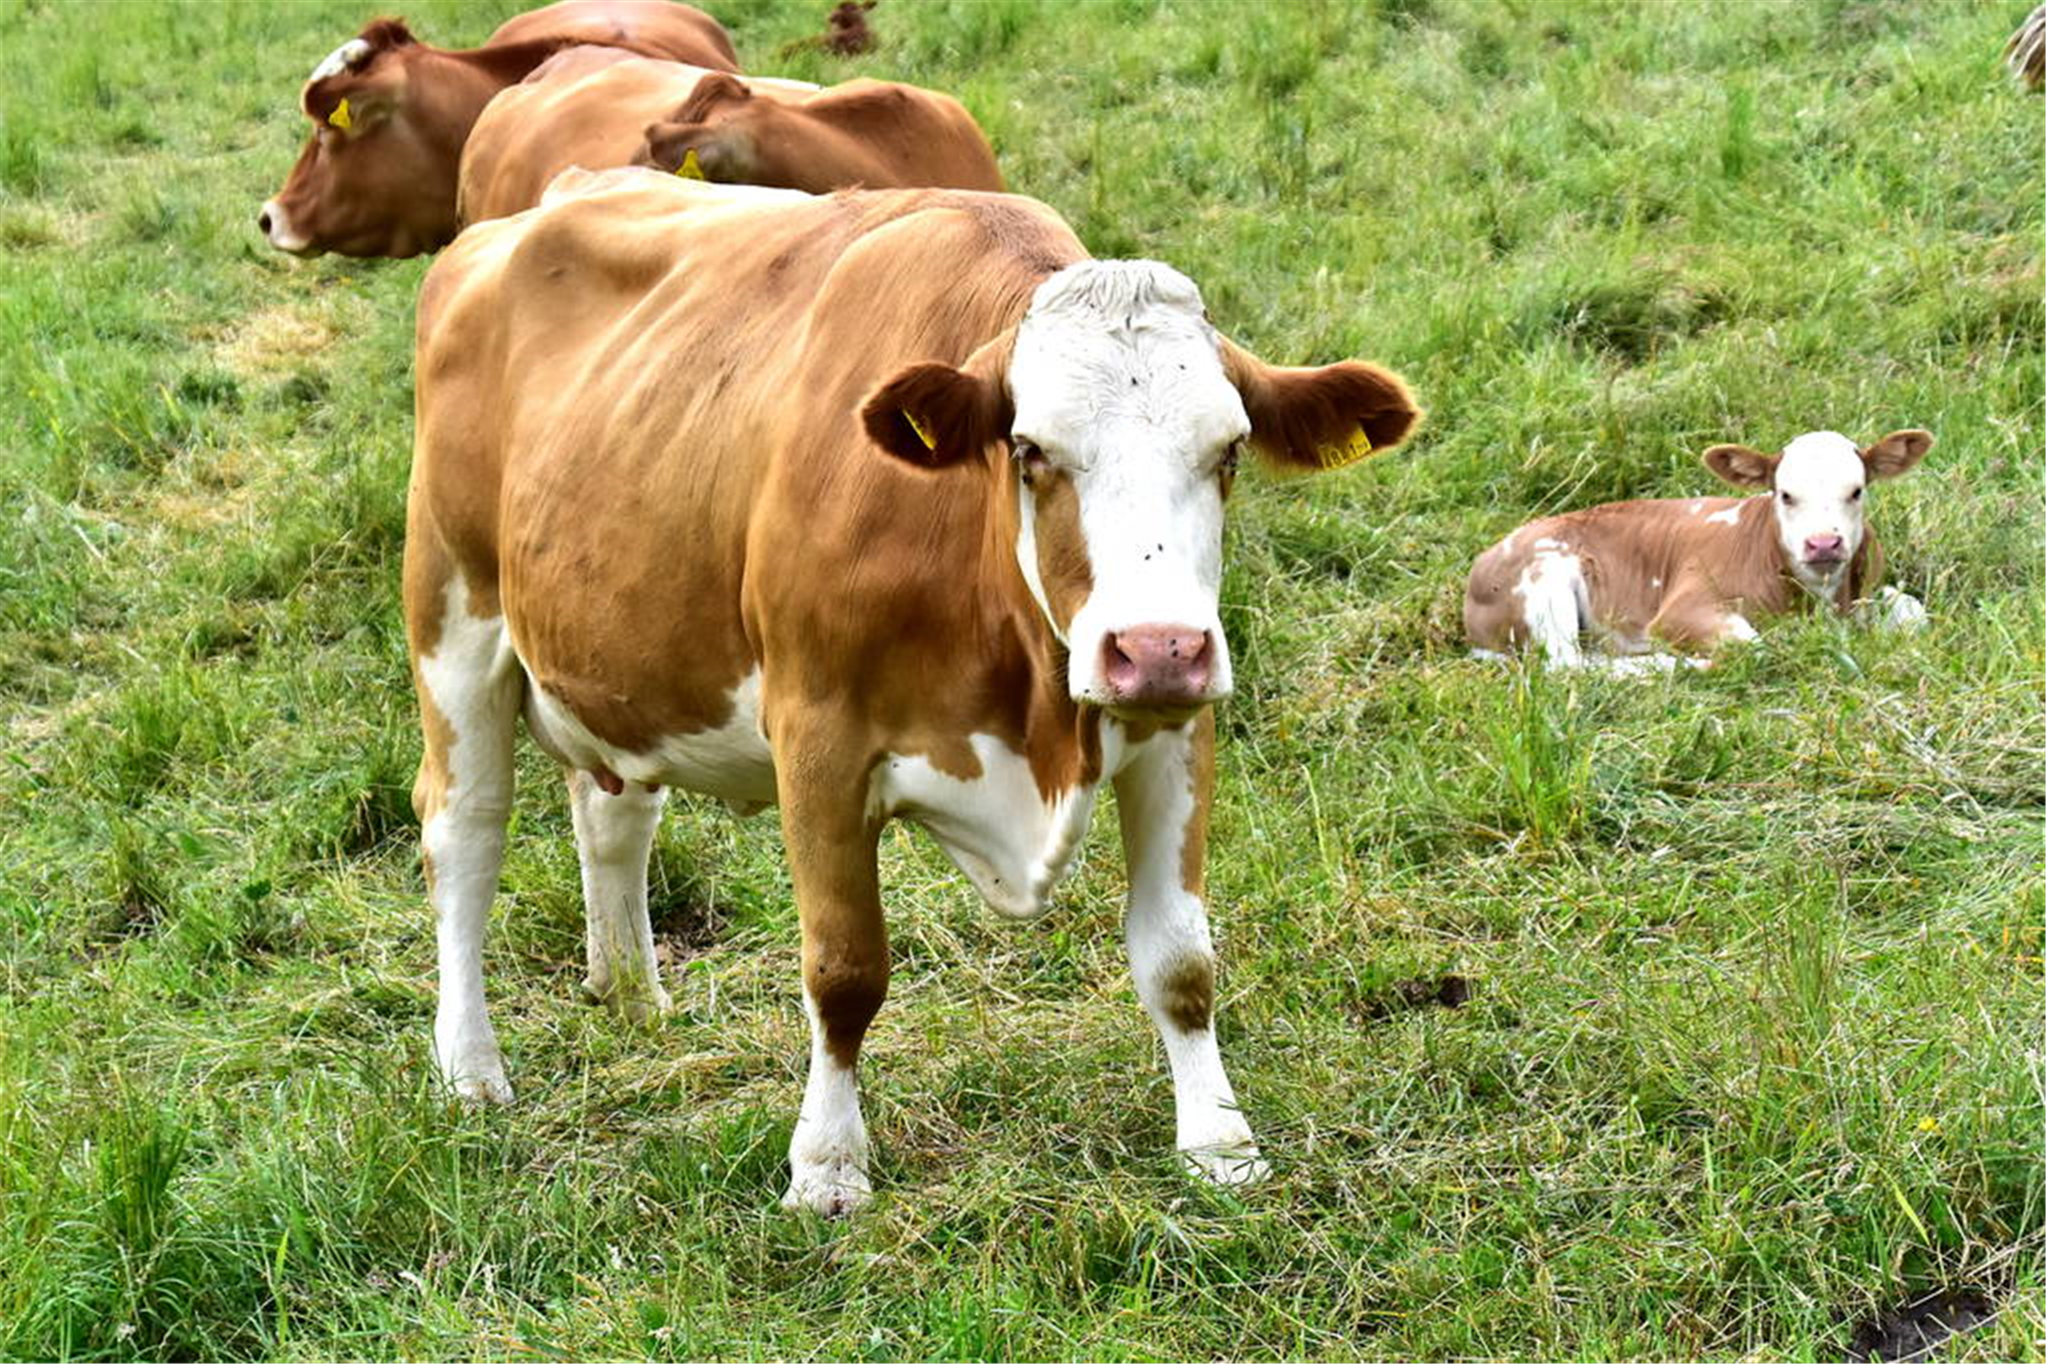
x: 599, y: 108
x: 390, y: 115
x: 1693, y: 572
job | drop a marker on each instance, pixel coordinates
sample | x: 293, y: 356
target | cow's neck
x: 464, y: 82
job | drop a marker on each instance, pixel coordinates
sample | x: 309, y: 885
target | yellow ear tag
x: 918, y: 427
x: 1335, y: 456
x: 691, y: 168
x: 339, y: 118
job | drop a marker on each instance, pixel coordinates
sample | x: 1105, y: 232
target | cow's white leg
x: 1892, y: 609
x: 831, y: 848
x: 613, y: 836
x: 469, y: 689
x: 1162, y: 796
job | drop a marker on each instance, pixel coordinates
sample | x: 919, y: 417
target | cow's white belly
x: 731, y: 762
x: 1012, y: 843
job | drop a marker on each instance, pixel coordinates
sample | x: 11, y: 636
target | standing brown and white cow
x: 390, y: 114
x: 1695, y: 571
x: 598, y: 107
x: 883, y: 504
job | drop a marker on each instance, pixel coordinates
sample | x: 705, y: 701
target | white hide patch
x: 731, y: 762
x: 1117, y: 378
x: 346, y: 57
x: 1737, y: 626
x: 1555, y: 603
x: 1013, y: 844
x: 1730, y: 517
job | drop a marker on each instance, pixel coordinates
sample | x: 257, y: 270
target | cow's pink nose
x: 1822, y: 548
x: 1157, y: 665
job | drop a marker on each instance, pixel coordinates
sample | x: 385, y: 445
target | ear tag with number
x: 918, y: 427
x: 1334, y: 456
x: 339, y: 118
x: 691, y: 168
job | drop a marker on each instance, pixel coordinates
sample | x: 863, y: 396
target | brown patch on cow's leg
x: 831, y: 850
x: 1186, y: 992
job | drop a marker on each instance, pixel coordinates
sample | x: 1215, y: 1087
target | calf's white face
x: 1818, y: 493
x: 1125, y: 431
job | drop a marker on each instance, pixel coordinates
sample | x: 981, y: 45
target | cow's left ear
x: 1896, y: 453
x: 933, y: 415
x: 1305, y: 420
x: 349, y: 104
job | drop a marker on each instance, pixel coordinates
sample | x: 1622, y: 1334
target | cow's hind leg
x: 1163, y: 797
x: 613, y: 835
x: 831, y: 846
x: 469, y: 690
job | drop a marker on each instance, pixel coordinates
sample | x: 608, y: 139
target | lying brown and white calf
x: 1692, y: 572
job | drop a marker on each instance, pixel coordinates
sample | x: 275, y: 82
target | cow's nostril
x: 263, y: 222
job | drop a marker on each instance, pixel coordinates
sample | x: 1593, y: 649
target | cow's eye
x: 1788, y: 500
x: 1854, y: 496
x: 1029, y: 460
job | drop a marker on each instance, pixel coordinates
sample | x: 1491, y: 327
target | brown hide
x: 876, y: 134
x: 380, y: 179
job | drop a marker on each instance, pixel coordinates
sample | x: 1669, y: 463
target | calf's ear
x: 1323, y: 417
x: 1740, y: 466
x: 934, y: 415
x: 1896, y: 453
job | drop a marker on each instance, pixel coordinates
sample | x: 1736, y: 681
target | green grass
x: 1753, y: 1043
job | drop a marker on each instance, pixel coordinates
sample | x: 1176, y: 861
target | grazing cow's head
x: 373, y: 180
x: 1817, y: 483
x: 1122, y: 413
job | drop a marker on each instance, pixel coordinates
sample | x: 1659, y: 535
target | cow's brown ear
x: 934, y: 415
x: 387, y: 33
x: 1304, y: 420
x: 1742, y: 467
x: 1896, y: 453
x: 713, y: 89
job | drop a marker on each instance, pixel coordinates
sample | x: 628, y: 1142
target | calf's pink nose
x: 1157, y: 665
x: 1822, y: 546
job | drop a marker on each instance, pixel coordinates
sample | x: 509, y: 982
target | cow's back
x: 654, y: 28
x: 585, y: 106
x: 638, y: 420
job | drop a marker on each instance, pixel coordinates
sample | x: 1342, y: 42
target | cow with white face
x: 884, y: 504
x: 1693, y: 572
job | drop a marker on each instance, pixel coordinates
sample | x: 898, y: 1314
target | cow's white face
x: 1126, y: 432
x: 1819, y: 506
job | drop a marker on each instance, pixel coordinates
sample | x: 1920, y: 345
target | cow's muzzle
x: 1162, y: 667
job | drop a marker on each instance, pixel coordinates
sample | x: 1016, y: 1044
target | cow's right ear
x: 933, y: 415
x: 1742, y: 467
x: 712, y: 89
x: 1896, y: 453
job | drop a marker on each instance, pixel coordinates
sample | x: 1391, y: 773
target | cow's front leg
x: 1163, y: 797
x: 831, y: 848
x: 613, y: 836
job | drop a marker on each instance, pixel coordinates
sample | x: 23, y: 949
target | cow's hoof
x: 828, y: 1192
x: 630, y: 1006
x: 1228, y: 1166
x: 483, y: 1086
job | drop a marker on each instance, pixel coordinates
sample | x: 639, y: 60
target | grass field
x: 1752, y: 1049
